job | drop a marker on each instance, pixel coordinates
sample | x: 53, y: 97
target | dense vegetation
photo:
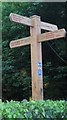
x: 16, y: 63
x: 34, y: 109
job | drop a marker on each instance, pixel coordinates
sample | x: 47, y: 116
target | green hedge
x: 33, y: 109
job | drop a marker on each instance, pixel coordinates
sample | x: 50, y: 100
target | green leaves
x: 16, y: 63
x: 34, y: 109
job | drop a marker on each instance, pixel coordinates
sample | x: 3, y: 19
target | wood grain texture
x: 36, y: 56
x: 51, y: 35
x: 35, y: 40
x: 20, y: 19
x: 27, y: 21
x: 20, y: 42
x: 48, y: 26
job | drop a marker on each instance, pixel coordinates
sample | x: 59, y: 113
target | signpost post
x: 35, y: 40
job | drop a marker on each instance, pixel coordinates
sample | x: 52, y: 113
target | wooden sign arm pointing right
x: 52, y: 35
x: 48, y: 26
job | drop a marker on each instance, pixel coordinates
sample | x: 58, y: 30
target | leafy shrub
x: 33, y: 109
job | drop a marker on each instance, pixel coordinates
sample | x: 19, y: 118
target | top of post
x: 35, y: 16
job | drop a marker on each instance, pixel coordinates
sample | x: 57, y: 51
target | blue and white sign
x: 39, y: 68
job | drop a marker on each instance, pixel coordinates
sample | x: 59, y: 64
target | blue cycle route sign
x: 39, y: 68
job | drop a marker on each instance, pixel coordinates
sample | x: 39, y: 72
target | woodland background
x: 16, y: 63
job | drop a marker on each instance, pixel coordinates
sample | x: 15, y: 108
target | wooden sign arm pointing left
x: 20, y: 19
x: 27, y: 21
x: 20, y: 42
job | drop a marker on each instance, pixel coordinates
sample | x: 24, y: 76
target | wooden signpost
x: 35, y: 40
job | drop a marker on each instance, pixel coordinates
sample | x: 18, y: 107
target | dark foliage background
x: 16, y: 66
